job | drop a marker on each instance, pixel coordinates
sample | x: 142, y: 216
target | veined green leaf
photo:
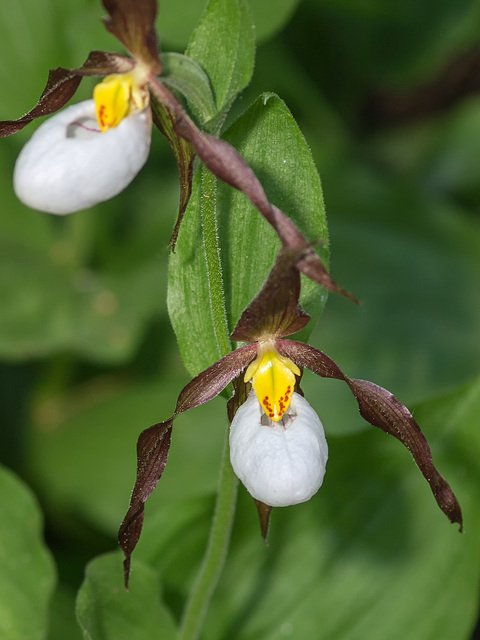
x: 106, y: 611
x: 269, y: 139
x: 27, y: 576
x: 224, y: 45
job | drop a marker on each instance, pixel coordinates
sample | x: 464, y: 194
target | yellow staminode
x: 116, y: 97
x: 273, y: 380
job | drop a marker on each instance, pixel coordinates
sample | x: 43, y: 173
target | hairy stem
x: 214, y: 266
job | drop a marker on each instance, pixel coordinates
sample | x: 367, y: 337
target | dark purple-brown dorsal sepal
x: 132, y: 22
x: 275, y: 311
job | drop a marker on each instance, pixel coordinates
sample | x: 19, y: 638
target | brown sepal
x: 62, y: 84
x: 264, y: 513
x: 210, y: 382
x: 275, y: 311
x: 152, y: 451
x: 154, y: 443
x: 133, y: 23
x: 381, y: 409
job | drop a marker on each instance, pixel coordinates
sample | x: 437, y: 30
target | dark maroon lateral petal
x: 154, y: 443
x: 213, y: 380
x: 275, y: 311
x: 132, y: 22
x: 62, y: 84
x: 152, y: 451
x: 381, y: 409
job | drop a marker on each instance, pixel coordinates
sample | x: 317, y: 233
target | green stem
x: 219, y: 540
x: 216, y: 553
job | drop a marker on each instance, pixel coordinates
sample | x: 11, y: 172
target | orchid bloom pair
x: 277, y: 443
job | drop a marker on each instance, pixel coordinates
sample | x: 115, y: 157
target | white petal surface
x: 279, y: 466
x: 68, y: 165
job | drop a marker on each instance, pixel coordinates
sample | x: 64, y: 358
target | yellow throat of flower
x: 273, y: 380
x: 116, y: 97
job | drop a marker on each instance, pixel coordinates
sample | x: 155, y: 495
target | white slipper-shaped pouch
x: 280, y: 463
x: 69, y: 164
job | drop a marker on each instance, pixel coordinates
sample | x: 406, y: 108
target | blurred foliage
x: 90, y: 359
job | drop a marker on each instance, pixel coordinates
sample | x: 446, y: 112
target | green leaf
x: 27, y: 577
x: 270, y: 141
x: 224, y: 45
x: 370, y: 555
x: 106, y: 611
x: 185, y: 75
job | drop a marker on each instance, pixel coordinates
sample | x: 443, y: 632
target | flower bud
x: 69, y: 164
x: 280, y: 463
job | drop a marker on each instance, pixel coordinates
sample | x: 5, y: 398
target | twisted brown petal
x: 381, y: 409
x: 152, y: 451
x: 62, y: 84
x: 154, y: 443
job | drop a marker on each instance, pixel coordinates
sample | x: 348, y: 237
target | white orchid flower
x: 282, y: 462
x: 88, y: 152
